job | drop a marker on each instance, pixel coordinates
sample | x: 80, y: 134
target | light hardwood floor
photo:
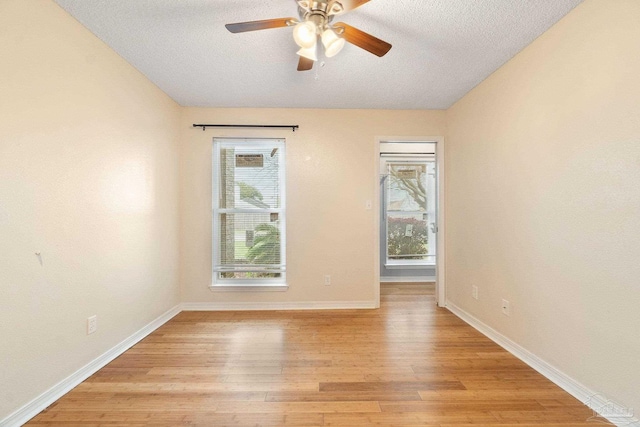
x: 407, y: 364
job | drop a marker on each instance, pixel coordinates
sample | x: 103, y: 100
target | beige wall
x: 330, y: 174
x: 88, y: 177
x: 543, y: 198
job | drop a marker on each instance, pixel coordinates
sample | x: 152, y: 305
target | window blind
x: 249, y: 210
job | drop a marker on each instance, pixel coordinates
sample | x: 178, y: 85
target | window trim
x: 223, y: 287
x: 262, y: 284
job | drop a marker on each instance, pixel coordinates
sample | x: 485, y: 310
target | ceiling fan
x: 316, y: 23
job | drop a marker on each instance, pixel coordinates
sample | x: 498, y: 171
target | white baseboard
x: 615, y: 413
x: 37, y: 405
x: 407, y: 279
x: 269, y: 306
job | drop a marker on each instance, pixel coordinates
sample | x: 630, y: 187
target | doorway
x: 409, y: 194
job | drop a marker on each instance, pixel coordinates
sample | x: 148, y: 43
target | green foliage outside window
x: 266, y: 245
x: 401, y: 246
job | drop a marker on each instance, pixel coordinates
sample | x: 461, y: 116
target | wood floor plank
x: 156, y: 387
x: 410, y: 419
x: 296, y: 407
x: 362, y: 396
x: 406, y: 364
x: 457, y: 406
x: 390, y: 386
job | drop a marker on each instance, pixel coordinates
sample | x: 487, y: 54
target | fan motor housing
x: 320, y: 12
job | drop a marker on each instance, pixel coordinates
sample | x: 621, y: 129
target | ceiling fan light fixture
x: 309, y: 52
x: 305, y: 34
x: 332, y: 43
x: 315, y: 26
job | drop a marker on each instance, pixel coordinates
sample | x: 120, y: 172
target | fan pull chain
x: 317, y: 76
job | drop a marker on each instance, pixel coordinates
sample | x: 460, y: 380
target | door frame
x: 440, y: 197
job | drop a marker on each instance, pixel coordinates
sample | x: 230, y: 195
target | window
x: 410, y: 210
x: 248, y: 212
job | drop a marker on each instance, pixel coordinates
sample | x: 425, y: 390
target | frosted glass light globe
x: 309, y: 52
x: 305, y: 34
x: 332, y: 43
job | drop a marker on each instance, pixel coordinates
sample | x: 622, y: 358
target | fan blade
x: 241, y: 27
x: 363, y: 40
x: 348, y: 5
x: 305, y: 64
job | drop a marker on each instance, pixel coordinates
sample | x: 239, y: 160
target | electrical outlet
x: 506, y: 307
x: 92, y: 324
x: 474, y: 291
x: 327, y: 280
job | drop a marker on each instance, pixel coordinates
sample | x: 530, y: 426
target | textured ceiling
x: 441, y: 50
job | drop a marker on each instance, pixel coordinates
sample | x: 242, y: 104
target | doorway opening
x: 409, y: 213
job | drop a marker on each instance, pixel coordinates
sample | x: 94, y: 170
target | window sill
x: 409, y: 266
x: 228, y: 287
